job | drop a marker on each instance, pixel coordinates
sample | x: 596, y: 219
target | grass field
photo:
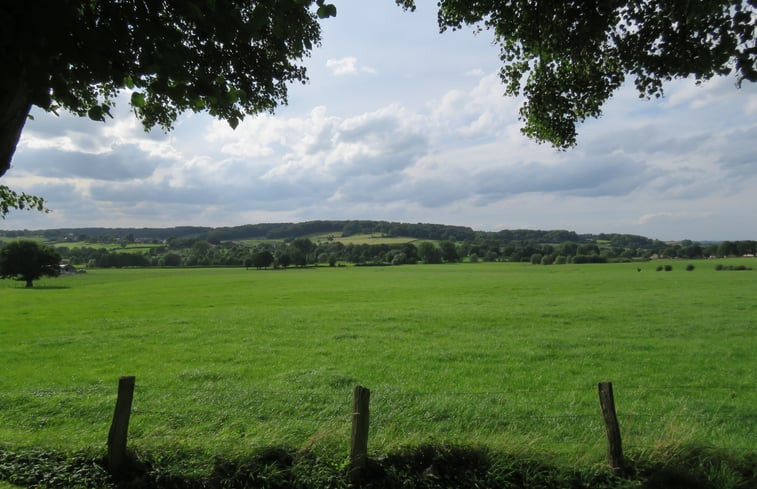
x: 371, y: 239
x: 125, y: 248
x: 493, y: 354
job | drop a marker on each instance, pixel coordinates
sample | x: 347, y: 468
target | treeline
x: 110, y: 235
x: 302, y: 252
x: 289, y: 231
x: 288, y: 244
x: 185, y: 252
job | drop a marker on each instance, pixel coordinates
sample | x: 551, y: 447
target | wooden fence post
x: 614, y: 445
x: 359, y: 439
x: 119, y: 428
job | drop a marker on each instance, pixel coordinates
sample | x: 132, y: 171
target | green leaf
x: 326, y: 11
x: 138, y: 99
x: 96, y: 113
x: 198, y: 104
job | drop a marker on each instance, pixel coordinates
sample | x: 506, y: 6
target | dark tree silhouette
x: 28, y: 261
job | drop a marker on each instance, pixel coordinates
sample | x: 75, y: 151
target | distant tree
x: 303, y: 244
x: 300, y: 250
x: 411, y: 253
x: 299, y: 259
x: 587, y: 249
x: 692, y: 251
x: 711, y: 250
x: 284, y: 260
x: 262, y: 259
x: 670, y: 252
x: 748, y: 247
x: 172, y: 259
x: 429, y: 253
x: 490, y: 255
x: 727, y: 248
x: 448, y: 251
x: 536, y: 258
x: 567, y: 249
x: 28, y: 261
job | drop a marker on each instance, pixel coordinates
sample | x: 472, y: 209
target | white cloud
x: 347, y: 66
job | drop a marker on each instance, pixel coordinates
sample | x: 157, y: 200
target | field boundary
x: 117, y: 456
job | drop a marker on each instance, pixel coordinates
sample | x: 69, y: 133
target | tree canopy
x: 567, y: 57
x: 228, y: 57
x: 28, y: 261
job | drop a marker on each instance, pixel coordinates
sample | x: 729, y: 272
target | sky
x: 401, y: 123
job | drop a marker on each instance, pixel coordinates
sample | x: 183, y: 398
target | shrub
x: 490, y: 256
x: 668, y: 268
x: 578, y: 259
x: 689, y: 267
x: 659, y: 268
x: 732, y: 267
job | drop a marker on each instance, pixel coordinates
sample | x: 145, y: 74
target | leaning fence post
x: 120, y: 426
x: 614, y: 445
x: 359, y: 439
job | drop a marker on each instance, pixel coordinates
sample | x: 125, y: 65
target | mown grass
x: 504, y: 356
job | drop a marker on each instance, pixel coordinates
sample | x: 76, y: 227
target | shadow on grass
x: 421, y: 467
x: 42, y: 287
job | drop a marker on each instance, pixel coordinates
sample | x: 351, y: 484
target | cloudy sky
x: 401, y: 123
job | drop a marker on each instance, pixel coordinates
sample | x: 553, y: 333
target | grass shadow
x: 43, y: 287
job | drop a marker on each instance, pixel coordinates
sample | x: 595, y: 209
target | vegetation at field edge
x: 422, y: 467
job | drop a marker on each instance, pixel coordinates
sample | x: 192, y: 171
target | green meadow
x: 371, y: 239
x: 499, y: 355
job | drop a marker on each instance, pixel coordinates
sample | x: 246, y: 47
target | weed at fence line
x: 424, y: 467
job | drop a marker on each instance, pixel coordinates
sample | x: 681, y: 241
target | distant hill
x: 289, y: 230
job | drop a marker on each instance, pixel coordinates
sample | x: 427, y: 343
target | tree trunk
x: 29, y: 284
x: 14, y: 109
